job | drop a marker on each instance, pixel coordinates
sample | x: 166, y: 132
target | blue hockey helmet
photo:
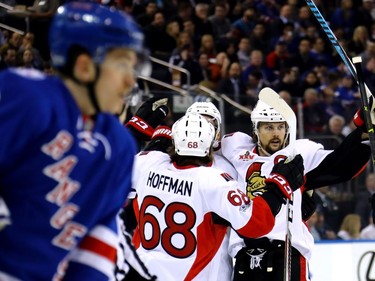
x: 93, y: 27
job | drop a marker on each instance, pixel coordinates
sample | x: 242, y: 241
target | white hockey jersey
x: 253, y: 169
x: 176, y: 237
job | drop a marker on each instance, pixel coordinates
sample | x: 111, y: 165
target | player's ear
x: 84, y: 68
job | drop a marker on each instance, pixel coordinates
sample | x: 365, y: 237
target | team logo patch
x: 246, y: 156
x: 255, y: 181
x: 227, y: 177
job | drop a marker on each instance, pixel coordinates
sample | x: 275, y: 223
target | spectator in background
x: 334, y: 131
x: 243, y: 53
x: 257, y: 63
x: 183, y: 39
x: 26, y: 60
x: 368, y: 232
x: 244, y: 26
x: 157, y: 39
x: 285, y: 95
x: 362, y: 204
x: 259, y: 38
x: 330, y: 103
x: 40, y: 20
x: 344, y: 17
x: 304, y: 59
x: 321, y: 52
x: 187, y: 61
x: 325, y: 231
x: 366, y: 14
x: 255, y: 83
x: 219, y: 67
x: 28, y: 42
x: 311, y: 223
x: 348, y: 95
x: 288, y: 81
x: 350, y: 227
x: 8, y: 57
x: 309, y: 80
x: 200, y: 19
x: 14, y: 41
x: 277, y: 59
x: 357, y: 43
x: 146, y: 18
x: 285, y: 17
x: 221, y: 25
x: 207, y: 46
x: 206, y: 71
x: 314, y: 118
x: 233, y: 85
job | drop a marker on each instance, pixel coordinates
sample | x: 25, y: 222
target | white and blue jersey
x: 63, y: 185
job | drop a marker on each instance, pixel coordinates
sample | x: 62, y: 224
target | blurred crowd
x: 237, y: 48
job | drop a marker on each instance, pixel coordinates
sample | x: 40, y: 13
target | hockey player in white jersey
x: 184, y: 206
x: 222, y: 259
x: 253, y: 157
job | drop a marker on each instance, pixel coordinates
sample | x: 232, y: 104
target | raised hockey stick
x: 271, y: 98
x: 365, y: 106
x: 335, y: 43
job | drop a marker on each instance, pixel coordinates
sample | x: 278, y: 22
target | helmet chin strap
x: 91, y: 90
x: 90, y: 86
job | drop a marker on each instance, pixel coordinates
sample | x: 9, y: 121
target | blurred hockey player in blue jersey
x: 64, y: 169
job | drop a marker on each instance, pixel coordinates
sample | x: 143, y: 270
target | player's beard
x: 271, y: 147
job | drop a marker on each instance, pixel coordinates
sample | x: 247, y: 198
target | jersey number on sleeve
x: 164, y: 237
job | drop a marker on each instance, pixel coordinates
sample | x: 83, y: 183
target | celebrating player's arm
x: 148, y: 116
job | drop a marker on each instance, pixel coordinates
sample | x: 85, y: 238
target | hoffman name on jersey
x: 166, y: 183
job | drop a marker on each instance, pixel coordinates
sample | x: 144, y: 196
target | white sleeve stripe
x: 105, y: 234
x: 95, y: 261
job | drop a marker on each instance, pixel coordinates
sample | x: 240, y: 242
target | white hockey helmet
x: 206, y: 108
x: 262, y: 112
x: 193, y: 135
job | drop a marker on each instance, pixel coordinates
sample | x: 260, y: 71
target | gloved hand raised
x: 359, y: 119
x: 287, y: 176
x: 151, y: 113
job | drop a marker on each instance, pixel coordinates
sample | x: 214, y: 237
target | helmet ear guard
x: 193, y: 135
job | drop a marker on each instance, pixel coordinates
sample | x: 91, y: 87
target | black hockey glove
x: 308, y: 205
x: 151, y: 113
x: 287, y: 176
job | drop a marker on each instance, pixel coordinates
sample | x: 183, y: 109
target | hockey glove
x: 4, y: 214
x: 287, y: 176
x: 160, y: 140
x: 359, y: 119
x: 308, y: 205
x: 151, y: 113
